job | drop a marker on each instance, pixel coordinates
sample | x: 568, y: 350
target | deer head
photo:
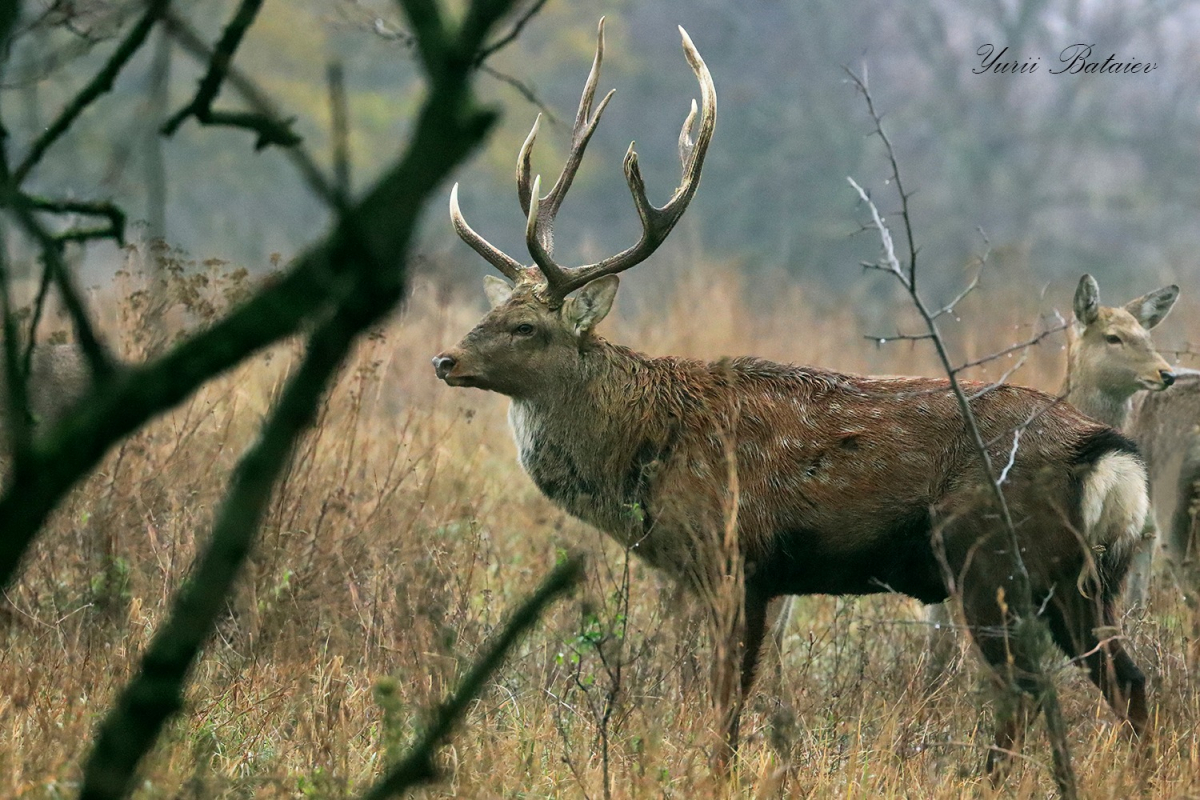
x: 534, y: 331
x: 1112, y: 352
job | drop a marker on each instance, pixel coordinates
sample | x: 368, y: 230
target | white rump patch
x: 1115, y: 503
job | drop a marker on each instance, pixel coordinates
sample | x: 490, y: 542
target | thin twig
x: 98, y: 356
x: 511, y: 36
x: 1022, y: 598
x: 102, y: 82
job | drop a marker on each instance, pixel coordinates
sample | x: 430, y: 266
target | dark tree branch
x: 448, y: 127
x: 16, y: 399
x: 270, y: 129
x: 98, y: 85
x: 418, y: 766
x: 257, y: 99
x: 156, y: 692
x: 511, y: 36
x: 98, y: 356
x: 97, y: 208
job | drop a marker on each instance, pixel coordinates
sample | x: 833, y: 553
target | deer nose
x: 1167, y: 376
x: 442, y: 364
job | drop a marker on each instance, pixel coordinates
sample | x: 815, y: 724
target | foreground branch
x: 376, y: 230
x: 270, y: 129
x: 418, y: 767
x: 156, y: 692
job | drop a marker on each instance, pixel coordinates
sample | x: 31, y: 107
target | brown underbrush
x: 405, y: 529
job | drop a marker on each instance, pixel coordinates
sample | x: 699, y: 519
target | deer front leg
x: 730, y: 697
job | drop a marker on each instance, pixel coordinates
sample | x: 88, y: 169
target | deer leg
x: 1074, y: 624
x: 941, y: 644
x: 1012, y: 665
x: 749, y: 648
x: 779, y: 618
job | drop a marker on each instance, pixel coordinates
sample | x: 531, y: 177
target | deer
x: 833, y: 483
x: 58, y: 376
x: 1115, y: 375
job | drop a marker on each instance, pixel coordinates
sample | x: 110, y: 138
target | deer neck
x: 580, y: 439
x: 1092, y: 397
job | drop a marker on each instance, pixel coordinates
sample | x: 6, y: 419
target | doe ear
x: 592, y: 304
x: 497, y: 290
x: 1087, y: 300
x: 1153, y: 307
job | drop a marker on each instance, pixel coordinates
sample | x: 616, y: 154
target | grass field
x: 404, y: 531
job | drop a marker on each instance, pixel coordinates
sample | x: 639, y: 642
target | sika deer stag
x: 840, y: 479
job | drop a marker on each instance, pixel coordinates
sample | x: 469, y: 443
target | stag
x: 833, y: 483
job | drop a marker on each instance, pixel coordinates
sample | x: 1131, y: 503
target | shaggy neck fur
x: 595, y: 465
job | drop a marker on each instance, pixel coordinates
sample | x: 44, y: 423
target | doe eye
x: 524, y: 329
x: 1112, y: 338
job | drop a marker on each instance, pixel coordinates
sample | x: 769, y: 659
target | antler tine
x: 581, y: 133
x: 656, y: 222
x: 524, y: 166
x: 510, y: 267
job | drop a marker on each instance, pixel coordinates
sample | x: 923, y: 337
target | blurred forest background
x: 1063, y: 174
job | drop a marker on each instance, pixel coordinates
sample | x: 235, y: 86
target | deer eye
x: 524, y: 329
x: 1112, y: 338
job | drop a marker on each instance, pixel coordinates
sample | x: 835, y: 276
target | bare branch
x: 511, y: 36
x: 101, y: 83
x: 361, y: 261
x: 257, y: 99
x: 1022, y: 599
x: 270, y: 129
x: 96, y: 208
x: 156, y: 692
x: 98, y: 356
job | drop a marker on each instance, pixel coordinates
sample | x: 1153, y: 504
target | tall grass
x: 403, y: 531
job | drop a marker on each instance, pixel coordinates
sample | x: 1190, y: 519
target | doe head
x: 1112, y: 346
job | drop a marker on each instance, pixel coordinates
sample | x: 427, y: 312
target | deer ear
x: 497, y: 290
x: 592, y: 304
x: 1153, y: 307
x: 1087, y: 300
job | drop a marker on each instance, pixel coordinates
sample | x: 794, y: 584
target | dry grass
x: 405, y: 529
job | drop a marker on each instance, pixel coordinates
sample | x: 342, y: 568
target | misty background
x: 1063, y: 174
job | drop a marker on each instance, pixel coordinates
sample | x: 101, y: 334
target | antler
x: 540, y: 211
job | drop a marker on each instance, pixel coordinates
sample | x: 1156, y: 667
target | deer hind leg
x: 1085, y: 628
x: 1011, y: 666
x: 779, y: 619
x: 941, y: 643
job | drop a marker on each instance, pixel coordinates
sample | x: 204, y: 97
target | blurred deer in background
x: 1115, y: 375
x: 58, y: 376
x: 831, y: 483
